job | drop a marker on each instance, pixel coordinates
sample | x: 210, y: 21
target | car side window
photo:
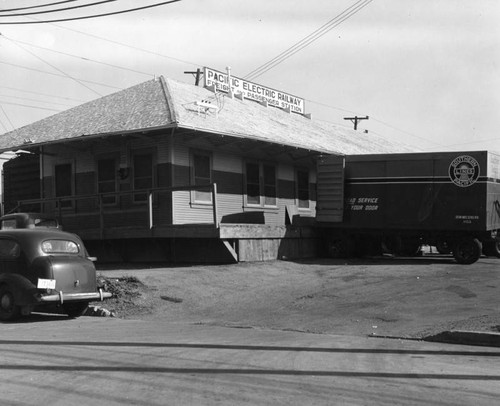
x: 9, y: 249
x: 8, y: 224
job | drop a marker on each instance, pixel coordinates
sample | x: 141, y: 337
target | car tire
x: 8, y: 309
x: 442, y: 247
x: 74, y: 310
x: 467, y: 251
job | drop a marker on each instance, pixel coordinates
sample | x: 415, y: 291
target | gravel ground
x: 383, y: 296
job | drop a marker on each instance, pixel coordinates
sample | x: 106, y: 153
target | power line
x: 38, y: 6
x: 3, y: 125
x: 55, y: 68
x: 347, y: 13
x: 127, y: 45
x: 36, y: 100
x: 90, y: 16
x: 331, y: 107
x: 79, y: 57
x: 7, y: 117
x: 474, y: 142
x: 57, y: 74
x: 56, y: 10
x: 371, y: 118
x: 27, y: 105
x: 309, y: 39
x: 42, y: 94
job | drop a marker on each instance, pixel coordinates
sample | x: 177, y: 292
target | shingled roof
x: 166, y: 103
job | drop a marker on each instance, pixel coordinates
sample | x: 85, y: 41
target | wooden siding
x: 229, y: 177
x: 172, y: 156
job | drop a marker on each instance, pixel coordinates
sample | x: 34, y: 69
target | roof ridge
x: 168, y: 98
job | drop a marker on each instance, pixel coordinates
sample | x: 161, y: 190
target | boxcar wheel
x: 467, y: 251
x: 74, y: 310
x: 8, y: 308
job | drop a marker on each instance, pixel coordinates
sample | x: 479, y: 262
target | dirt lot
x: 383, y: 296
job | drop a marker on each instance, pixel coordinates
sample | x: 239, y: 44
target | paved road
x: 90, y: 361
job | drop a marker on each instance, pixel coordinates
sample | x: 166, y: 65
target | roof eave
x: 260, y: 139
x: 89, y: 137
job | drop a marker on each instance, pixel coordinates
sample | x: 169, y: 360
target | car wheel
x: 467, y: 251
x: 443, y: 247
x: 74, y: 310
x: 8, y: 308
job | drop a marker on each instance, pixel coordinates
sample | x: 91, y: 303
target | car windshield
x: 42, y: 222
x: 60, y: 247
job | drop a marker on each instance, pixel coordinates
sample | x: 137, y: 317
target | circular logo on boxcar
x: 464, y: 171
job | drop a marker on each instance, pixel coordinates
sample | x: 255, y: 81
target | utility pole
x: 355, y: 120
x: 196, y: 74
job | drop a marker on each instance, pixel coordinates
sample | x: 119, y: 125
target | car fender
x: 23, y: 290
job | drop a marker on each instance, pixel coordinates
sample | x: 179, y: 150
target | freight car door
x: 411, y: 192
x: 493, y: 192
x: 330, y: 189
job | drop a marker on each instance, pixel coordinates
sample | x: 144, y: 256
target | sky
x: 426, y: 72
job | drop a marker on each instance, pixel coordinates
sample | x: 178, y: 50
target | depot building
x: 169, y: 171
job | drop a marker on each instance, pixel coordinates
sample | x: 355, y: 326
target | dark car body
x: 45, y: 269
x: 28, y: 220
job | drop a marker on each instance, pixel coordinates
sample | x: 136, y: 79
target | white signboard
x: 253, y: 91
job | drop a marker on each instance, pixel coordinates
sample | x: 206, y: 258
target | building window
x: 261, y: 184
x: 106, y: 179
x: 303, y: 189
x: 143, y: 174
x: 201, y: 175
x: 63, y: 174
x: 253, y: 183
x: 269, y: 185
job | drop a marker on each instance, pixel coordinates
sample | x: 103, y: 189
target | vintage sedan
x: 28, y: 220
x: 45, y: 270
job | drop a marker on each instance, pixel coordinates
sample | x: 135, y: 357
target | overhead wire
x: 127, y: 45
x: 1, y: 122
x: 55, y: 68
x: 89, y: 16
x: 6, y: 116
x: 309, y: 39
x: 79, y: 57
x: 37, y: 6
x: 57, y: 10
x: 41, y: 94
x: 372, y: 118
x: 58, y: 74
x: 36, y: 100
x: 33, y: 107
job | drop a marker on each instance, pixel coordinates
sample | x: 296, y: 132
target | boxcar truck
x: 368, y: 204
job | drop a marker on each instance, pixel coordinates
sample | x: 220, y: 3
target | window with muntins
x: 63, y: 174
x: 143, y: 175
x: 202, y: 175
x: 269, y: 185
x: 261, y: 189
x: 106, y: 179
x: 303, y: 189
x: 253, y: 183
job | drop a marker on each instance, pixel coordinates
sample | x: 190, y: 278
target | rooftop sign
x: 253, y: 91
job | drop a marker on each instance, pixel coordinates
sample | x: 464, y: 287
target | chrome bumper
x: 62, y: 297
